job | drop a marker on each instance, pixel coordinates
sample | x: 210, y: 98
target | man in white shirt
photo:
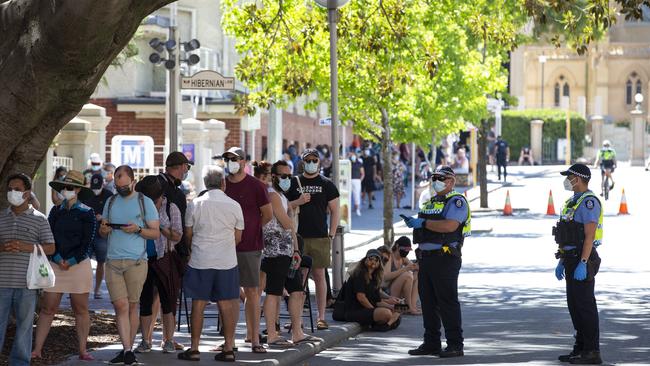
x: 214, y: 228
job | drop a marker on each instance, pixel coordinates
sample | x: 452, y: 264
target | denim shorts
x: 211, y: 284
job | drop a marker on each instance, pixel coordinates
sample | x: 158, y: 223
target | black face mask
x: 124, y: 190
x: 403, y: 253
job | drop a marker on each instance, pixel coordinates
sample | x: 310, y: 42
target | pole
x: 413, y: 176
x: 173, y: 121
x: 542, y: 106
x: 332, y: 15
x: 568, y: 134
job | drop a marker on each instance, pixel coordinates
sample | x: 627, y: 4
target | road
x: 514, y: 309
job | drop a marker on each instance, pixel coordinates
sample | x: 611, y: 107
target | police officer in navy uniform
x: 578, y: 233
x: 439, y: 230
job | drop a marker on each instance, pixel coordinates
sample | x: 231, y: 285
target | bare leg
x: 50, y: 305
x: 123, y: 324
x: 296, y: 303
x: 382, y: 315
x: 169, y: 323
x: 230, y: 311
x: 271, y: 303
x: 99, y: 276
x: 415, y: 294
x: 82, y: 319
x: 134, y: 319
x: 321, y: 291
x: 198, y: 307
x: 252, y: 310
x: 155, y: 310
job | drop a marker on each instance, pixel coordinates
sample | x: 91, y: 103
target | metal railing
x: 63, y: 161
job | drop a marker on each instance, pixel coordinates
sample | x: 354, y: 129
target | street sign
x: 325, y: 121
x: 208, y: 80
x: 134, y: 151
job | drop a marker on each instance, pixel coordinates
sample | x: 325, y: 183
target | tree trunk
x: 387, y: 176
x: 482, y: 161
x: 52, y: 56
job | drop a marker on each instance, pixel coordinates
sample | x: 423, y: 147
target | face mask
x: 68, y: 195
x: 62, y: 178
x: 185, y: 176
x: 233, y: 167
x: 439, y: 186
x: 311, y: 168
x: 124, y: 190
x: 284, y: 184
x: 97, y: 192
x: 325, y: 151
x: 567, y: 184
x: 96, y: 167
x: 15, y: 198
x: 353, y: 158
x: 403, y: 253
x: 367, y: 152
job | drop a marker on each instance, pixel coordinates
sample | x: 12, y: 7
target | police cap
x: 579, y: 170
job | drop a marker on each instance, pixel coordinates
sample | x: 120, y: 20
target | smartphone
x: 404, y: 217
x: 117, y: 226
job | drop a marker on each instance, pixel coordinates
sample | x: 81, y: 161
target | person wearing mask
x: 357, y: 177
x: 400, y: 275
x: 362, y: 300
x: 74, y: 227
x: 129, y: 219
x: 161, y: 288
x: 177, y: 167
x: 326, y: 158
x: 262, y: 171
x: 502, y: 152
x: 252, y: 196
x: 59, y: 175
x: 97, y: 201
x: 287, y: 157
x: 16, y: 246
x: 398, y: 179
x: 107, y: 173
x: 370, y: 178
x: 526, y: 156
x: 316, y: 195
x: 578, y: 233
x: 94, y: 166
x: 440, y: 229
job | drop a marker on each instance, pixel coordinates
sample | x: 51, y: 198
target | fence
x: 549, y: 150
x: 63, y: 161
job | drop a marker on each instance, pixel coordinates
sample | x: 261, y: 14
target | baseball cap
x: 95, y: 159
x: 96, y: 181
x: 237, y: 151
x: 309, y: 152
x: 445, y: 171
x: 403, y: 243
x: 373, y: 253
x: 177, y: 158
x: 579, y: 170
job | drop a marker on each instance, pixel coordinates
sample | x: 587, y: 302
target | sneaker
x: 358, y: 212
x: 143, y: 347
x: 117, y: 360
x: 169, y: 347
x: 129, y: 358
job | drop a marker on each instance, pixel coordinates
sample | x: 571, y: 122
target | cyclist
x: 607, y: 159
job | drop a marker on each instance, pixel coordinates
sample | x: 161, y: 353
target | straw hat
x: 76, y: 179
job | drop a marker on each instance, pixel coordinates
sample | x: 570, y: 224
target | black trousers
x: 502, y: 163
x: 438, y: 286
x: 582, y: 304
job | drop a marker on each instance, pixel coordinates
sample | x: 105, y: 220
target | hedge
x: 515, y: 129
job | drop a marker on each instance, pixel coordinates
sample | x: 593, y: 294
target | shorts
x: 99, y: 248
x: 125, y: 278
x: 277, y: 269
x: 320, y: 250
x: 153, y: 285
x: 211, y: 284
x: 607, y: 164
x: 365, y: 317
x: 249, y: 268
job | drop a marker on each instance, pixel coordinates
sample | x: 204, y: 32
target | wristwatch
x: 139, y: 230
x: 583, y: 260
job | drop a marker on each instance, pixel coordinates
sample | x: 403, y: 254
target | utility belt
x: 568, y: 253
x: 568, y: 233
x: 445, y: 249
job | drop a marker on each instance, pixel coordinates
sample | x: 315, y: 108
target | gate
x: 549, y: 150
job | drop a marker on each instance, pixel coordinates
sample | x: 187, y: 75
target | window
x: 633, y: 86
x: 561, y: 89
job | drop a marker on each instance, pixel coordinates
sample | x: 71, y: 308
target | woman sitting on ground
x: 362, y: 298
x: 400, y: 274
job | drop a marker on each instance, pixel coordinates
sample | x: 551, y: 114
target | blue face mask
x: 311, y: 168
x: 284, y: 184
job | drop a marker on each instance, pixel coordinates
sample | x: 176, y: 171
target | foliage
x: 516, y: 129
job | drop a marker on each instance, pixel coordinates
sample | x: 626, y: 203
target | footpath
x: 366, y: 233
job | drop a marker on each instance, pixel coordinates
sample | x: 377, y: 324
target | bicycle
x: 605, y: 173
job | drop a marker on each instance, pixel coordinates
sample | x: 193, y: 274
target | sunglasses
x: 69, y: 188
x: 235, y: 159
x: 311, y: 161
x: 283, y: 176
x: 439, y: 178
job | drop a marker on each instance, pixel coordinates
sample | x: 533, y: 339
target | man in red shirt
x: 252, y: 196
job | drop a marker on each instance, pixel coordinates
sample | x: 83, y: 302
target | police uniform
x: 607, y: 156
x: 439, y: 256
x: 582, y: 208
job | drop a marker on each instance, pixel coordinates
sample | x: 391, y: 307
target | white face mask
x: 15, y: 198
x: 284, y: 184
x: 233, y: 167
x: 438, y: 186
x: 353, y: 158
x: 311, y: 168
x: 68, y: 195
x: 567, y: 184
x: 97, y: 192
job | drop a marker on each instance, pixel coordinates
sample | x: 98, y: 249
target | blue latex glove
x: 580, y: 273
x: 414, y: 223
x: 559, y: 271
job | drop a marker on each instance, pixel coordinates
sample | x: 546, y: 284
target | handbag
x: 39, y: 271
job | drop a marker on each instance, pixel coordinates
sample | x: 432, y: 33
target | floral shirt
x: 165, y: 221
x: 277, y: 239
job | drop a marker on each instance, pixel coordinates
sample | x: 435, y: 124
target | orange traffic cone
x: 622, y: 210
x: 550, y: 208
x: 507, y: 209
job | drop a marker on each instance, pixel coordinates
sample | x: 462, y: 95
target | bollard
x: 338, y: 261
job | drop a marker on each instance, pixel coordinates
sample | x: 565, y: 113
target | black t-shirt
x: 369, y: 163
x: 97, y: 202
x: 356, y: 169
x: 176, y: 196
x: 502, y: 149
x: 357, y: 283
x: 312, y: 219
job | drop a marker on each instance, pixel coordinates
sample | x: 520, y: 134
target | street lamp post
x: 542, y: 61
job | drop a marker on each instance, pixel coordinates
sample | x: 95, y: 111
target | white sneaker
x: 358, y: 212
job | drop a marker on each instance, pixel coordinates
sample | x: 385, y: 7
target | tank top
x: 277, y: 239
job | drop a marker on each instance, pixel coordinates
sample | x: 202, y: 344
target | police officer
x: 578, y: 233
x: 442, y: 224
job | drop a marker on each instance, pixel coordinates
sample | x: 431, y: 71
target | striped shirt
x: 30, y: 226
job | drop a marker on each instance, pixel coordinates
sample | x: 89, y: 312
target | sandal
x: 221, y: 348
x: 280, y: 343
x: 308, y: 339
x: 189, y: 355
x: 263, y: 339
x: 258, y: 349
x: 396, y: 323
x: 225, y: 356
x: 98, y: 296
x: 322, y: 325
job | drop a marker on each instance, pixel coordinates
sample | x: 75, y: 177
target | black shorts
x: 607, y: 164
x: 277, y: 269
x: 365, y: 317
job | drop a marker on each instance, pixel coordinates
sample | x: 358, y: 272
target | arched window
x: 561, y: 89
x: 633, y: 86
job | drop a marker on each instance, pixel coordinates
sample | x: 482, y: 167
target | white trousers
x: 356, y: 192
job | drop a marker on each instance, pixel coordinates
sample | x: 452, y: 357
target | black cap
x: 445, y: 171
x: 373, y: 253
x: 403, y: 243
x: 96, y: 181
x: 177, y: 158
x: 237, y: 151
x: 579, y: 170
x: 309, y: 152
